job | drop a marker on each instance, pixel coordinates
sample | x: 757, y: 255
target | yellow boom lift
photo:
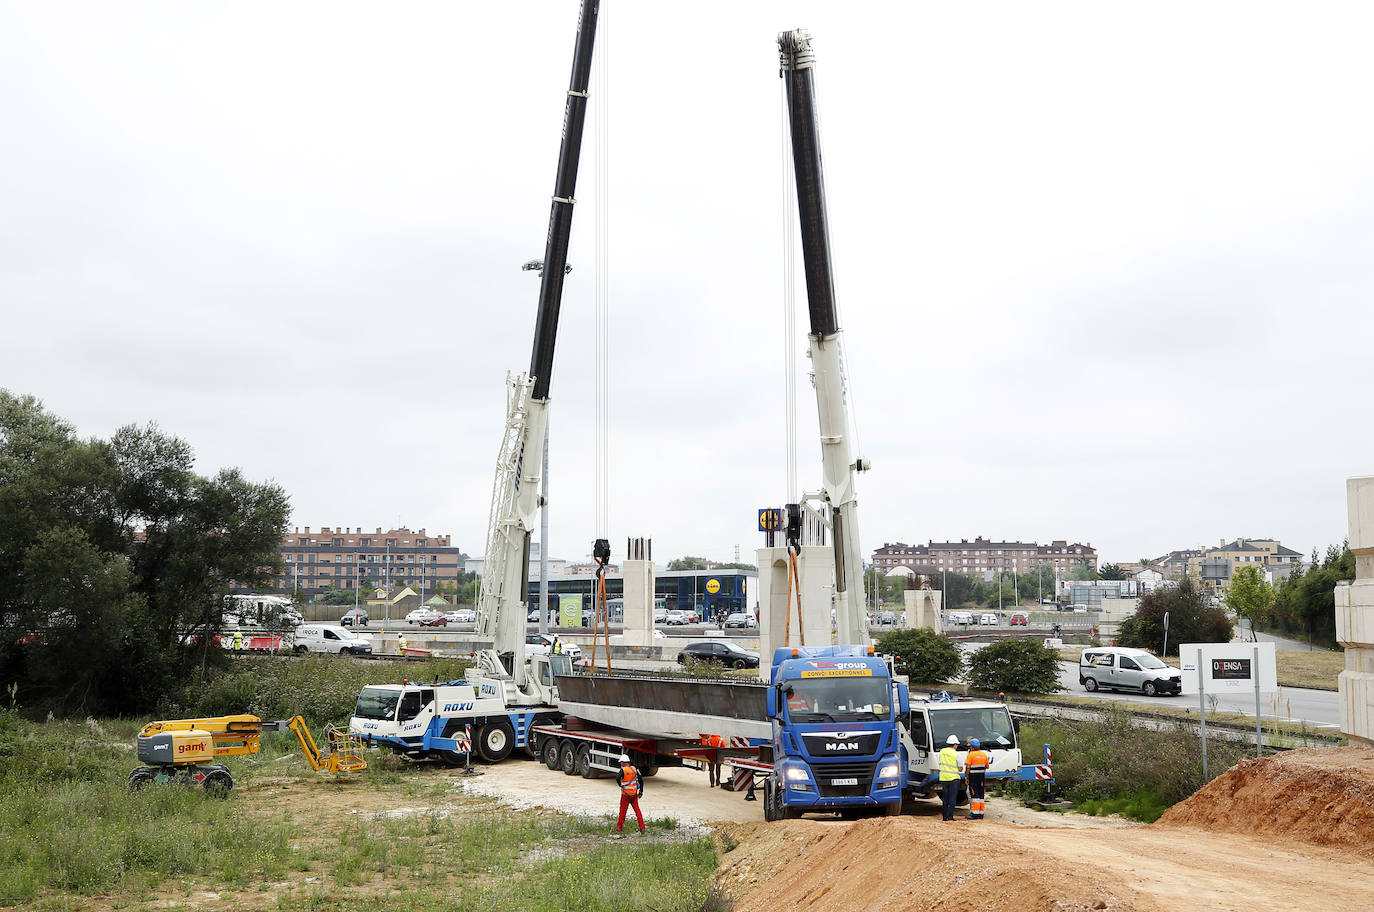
x: 176, y: 750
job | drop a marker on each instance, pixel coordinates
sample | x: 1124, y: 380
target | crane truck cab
x: 929, y: 722
x: 834, y: 711
x: 448, y: 720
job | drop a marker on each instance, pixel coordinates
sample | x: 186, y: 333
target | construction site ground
x: 1291, y: 832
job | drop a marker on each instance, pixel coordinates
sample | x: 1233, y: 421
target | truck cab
x: 927, y: 725
x: 834, y: 711
x: 447, y: 720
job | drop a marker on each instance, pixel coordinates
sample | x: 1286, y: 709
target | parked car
x: 660, y: 615
x: 888, y: 618
x: 419, y: 614
x: 355, y: 618
x: 1020, y: 619
x: 961, y: 618
x: 1119, y: 668
x: 740, y: 619
x: 329, y: 638
x: 542, y: 644
x: 434, y: 620
x: 676, y: 616
x: 989, y: 620
x: 722, y: 651
x: 462, y: 616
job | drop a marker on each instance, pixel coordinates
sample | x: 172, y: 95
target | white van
x: 330, y: 638
x: 1117, y: 668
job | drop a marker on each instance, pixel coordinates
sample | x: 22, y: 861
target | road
x: 1320, y: 708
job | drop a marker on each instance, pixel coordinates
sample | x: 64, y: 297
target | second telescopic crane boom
x: 827, y: 367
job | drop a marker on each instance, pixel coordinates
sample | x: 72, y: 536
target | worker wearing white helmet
x: 949, y: 777
x: 631, y: 787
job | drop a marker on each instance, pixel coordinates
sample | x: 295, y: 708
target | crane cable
x: 600, y: 101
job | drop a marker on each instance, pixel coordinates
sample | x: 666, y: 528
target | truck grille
x: 862, y: 773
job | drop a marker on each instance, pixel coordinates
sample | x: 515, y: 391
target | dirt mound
x: 1323, y: 796
x: 903, y: 864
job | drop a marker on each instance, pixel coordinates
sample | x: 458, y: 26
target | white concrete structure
x: 923, y: 608
x: 1355, y: 617
x: 816, y: 569
x: 638, y: 582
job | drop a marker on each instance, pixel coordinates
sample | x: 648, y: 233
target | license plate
x: 844, y: 781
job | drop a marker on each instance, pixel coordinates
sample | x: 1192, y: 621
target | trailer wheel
x: 550, y: 753
x: 567, y: 758
x: 495, y: 740
x: 648, y: 772
x: 584, y: 763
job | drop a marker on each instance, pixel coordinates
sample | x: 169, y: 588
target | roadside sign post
x: 1224, y: 667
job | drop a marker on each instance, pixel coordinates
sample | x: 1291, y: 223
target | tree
x: 115, y: 557
x: 925, y: 656
x: 1249, y: 595
x: 1083, y: 573
x: 1192, y: 619
x: 1305, y: 604
x: 961, y: 590
x: 1111, y: 572
x: 1014, y: 665
x: 688, y: 563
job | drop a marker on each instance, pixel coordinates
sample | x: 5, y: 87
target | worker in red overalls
x: 976, y: 763
x: 631, y: 787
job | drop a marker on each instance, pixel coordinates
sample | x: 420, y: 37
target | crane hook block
x: 601, y: 550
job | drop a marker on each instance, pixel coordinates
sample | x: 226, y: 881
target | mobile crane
x: 493, y: 709
x: 501, y: 603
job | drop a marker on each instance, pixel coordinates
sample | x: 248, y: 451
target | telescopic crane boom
x: 841, y: 505
x: 501, y: 605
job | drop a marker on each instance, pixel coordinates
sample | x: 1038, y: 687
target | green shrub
x: 1015, y: 665
x: 926, y: 657
x: 1113, y: 766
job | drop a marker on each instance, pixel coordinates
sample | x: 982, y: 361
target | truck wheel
x: 1090, y: 684
x: 893, y: 809
x: 790, y: 813
x: 141, y: 777
x: 495, y: 741
x: 1149, y: 689
x: 584, y: 763
x: 550, y: 753
x: 648, y: 772
x: 567, y: 758
x: 770, y: 804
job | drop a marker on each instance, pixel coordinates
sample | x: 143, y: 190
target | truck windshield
x: 838, y: 699
x: 376, y: 703
x: 991, y: 725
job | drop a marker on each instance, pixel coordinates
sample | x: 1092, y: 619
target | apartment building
x: 1213, y: 567
x: 349, y: 557
x: 983, y: 557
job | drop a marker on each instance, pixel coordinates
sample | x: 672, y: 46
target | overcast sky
x: 1104, y: 271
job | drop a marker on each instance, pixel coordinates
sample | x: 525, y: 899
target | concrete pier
x: 923, y: 608
x: 816, y: 569
x: 1355, y: 617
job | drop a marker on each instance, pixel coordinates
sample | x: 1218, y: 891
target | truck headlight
x: 798, y: 774
x: 890, y: 768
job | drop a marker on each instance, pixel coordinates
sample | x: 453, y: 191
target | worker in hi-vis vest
x: 976, y: 763
x: 631, y: 787
x: 949, y: 777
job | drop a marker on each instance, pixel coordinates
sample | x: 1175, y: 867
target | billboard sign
x: 570, y: 610
x: 1227, y: 666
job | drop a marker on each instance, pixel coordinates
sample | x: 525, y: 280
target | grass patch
x: 1309, y: 669
x: 70, y: 830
